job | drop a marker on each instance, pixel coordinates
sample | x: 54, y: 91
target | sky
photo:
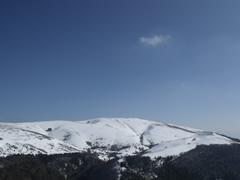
x: 166, y: 60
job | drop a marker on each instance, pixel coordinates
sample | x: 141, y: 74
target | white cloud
x: 156, y: 40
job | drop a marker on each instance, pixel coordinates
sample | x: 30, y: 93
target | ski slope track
x: 105, y: 136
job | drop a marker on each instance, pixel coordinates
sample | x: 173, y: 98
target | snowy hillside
x: 122, y: 136
x: 17, y: 140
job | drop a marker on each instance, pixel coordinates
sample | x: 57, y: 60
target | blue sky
x: 169, y: 60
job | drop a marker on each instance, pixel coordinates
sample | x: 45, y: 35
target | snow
x: 176, y: 147
x: 16, y: 140
x: 124, y: 136
x: 162, y: 133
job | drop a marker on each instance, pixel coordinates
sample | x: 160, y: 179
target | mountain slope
x: 121, y: 136
x: 17, y: 140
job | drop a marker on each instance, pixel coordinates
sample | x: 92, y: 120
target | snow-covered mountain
x: 120, y: 136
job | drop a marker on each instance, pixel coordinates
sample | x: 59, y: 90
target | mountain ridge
x: 105, y: 136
